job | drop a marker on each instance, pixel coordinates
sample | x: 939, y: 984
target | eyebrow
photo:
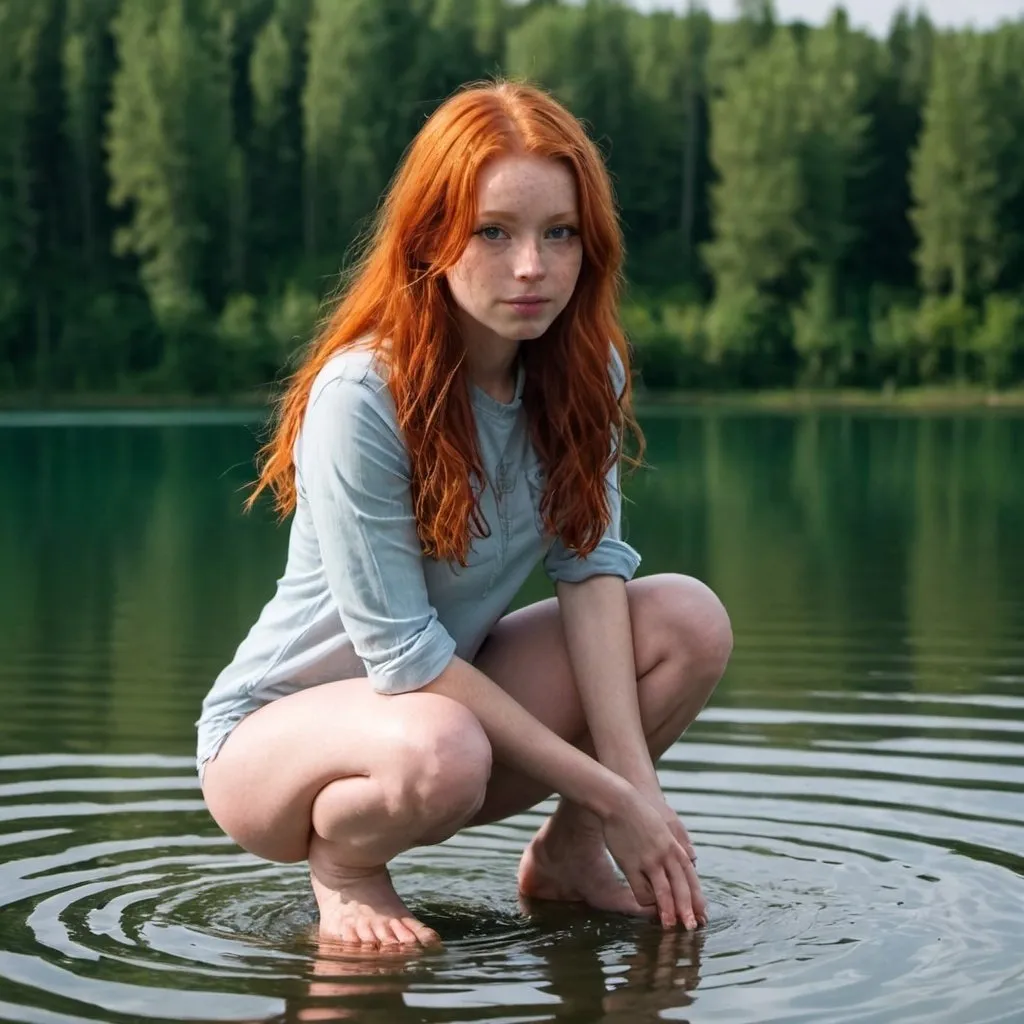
x: 506, y: 215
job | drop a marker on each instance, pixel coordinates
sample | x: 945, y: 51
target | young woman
x: 458, y: 420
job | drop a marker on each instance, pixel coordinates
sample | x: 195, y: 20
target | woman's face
x: 522, y: 262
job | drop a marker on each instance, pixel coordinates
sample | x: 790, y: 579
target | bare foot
x: 575, y: 869
x: 361, y: 908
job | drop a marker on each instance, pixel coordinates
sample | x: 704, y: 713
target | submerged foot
x: 361, y: 907
x: 575, y: 869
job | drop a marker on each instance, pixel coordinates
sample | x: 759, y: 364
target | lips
x: 527, y: 305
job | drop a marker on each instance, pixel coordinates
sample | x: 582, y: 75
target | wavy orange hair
x: 397, y: 294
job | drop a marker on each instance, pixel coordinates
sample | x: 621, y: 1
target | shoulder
x: 358, y: 365
x: 353, y: 381
x: 349, y: 402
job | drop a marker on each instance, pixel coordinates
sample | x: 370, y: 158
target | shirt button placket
x: 504, y: 488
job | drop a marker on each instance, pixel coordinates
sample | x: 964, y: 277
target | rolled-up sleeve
x: 355, y: 475
x: 612, y: 556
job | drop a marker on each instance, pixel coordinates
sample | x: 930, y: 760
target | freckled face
x: 522, y: 262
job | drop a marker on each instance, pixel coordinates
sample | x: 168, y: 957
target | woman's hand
x: 657, y: 799
x: 650, y: 845
x: 650, y: 853
x: 649, y: 787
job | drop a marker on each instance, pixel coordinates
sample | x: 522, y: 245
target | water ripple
x: 863, y: 875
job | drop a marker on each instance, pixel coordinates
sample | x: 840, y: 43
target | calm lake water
x: 855, y: 788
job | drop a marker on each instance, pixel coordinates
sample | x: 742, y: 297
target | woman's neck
x: 491, y: 367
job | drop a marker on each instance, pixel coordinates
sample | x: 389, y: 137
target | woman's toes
x: 402, y: 933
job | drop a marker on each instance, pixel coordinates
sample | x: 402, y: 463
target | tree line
x: 182, y: 180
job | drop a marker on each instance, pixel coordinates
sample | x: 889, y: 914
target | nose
x: 529, y: 265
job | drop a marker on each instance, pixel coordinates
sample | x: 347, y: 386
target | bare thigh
x: 261, y: 787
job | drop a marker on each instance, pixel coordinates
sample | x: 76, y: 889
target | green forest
x: 183, y: 181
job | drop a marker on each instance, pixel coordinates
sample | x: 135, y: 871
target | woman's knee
x: 445, y: 764
x: 689, y: 622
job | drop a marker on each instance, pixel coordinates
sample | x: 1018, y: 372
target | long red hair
x: 397, y: 296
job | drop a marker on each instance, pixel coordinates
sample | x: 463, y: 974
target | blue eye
x: 491, y: 232
x: 568, y: 231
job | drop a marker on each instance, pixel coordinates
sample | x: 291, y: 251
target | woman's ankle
x: 334, y: 866
x: 571, y: 825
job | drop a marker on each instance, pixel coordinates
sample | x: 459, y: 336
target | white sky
x: 873, y: 15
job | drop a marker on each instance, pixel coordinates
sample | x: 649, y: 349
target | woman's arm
x: 595, y: 616
x: 524, y: 743
x: 599, y: 638
x: 641, y: 841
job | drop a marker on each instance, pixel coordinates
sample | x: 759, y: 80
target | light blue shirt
x: 358, y: 597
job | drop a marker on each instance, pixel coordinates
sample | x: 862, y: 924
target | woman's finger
x: 700, y: 906
x: 681, y: 893
x: 664, y: 896
x: 641, y: 888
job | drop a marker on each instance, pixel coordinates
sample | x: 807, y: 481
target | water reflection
x: 855, y: 789
x: 578, y: 976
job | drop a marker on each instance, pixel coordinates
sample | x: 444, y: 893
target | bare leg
x: 349, y: 778
x: 681, y: 639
